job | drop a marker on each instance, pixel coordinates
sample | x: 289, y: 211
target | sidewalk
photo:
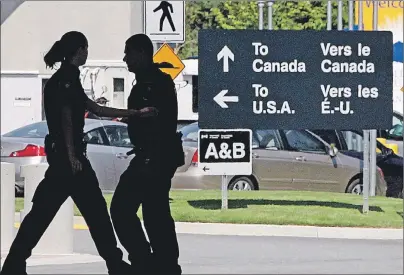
x: 272, y: 230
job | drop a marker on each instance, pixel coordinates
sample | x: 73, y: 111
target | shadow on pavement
x: 240, y: 203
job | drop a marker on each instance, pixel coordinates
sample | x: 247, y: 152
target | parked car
x: 283, y: 160
x: 391, y: 164
x: 108, y: 142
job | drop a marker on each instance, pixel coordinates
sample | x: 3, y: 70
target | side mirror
x: 388, y: 152
x: 332, y: 151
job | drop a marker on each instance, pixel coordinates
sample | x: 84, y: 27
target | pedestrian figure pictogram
x: 164, y: 21
x: 167, y: 10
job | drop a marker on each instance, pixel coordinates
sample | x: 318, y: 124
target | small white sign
x: 164, y: 21
x: 22, y: 102
x: 225, y: 152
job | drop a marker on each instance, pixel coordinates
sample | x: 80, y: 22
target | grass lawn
x: 281, y: 208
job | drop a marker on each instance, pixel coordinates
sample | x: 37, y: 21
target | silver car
x: 282, y: 160
x: 108, y: 142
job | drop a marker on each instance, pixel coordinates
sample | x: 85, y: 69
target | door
x: 313, y: 168
x: 271, y: 164
x: 119, y: 141
x: 101, y: 157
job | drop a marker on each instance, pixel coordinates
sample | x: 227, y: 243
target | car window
x: 266, y: 139
x: 118, y: 136
x: 328, y: 136
x: 356, y: 143
x: 303, y: 141
x: 94, y: 137
x: 35, y: 130
x: 397, y: 120
x: 190, y: 132
x: 397, y: 129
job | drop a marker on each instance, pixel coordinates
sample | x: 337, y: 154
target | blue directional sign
x: 295, y: 79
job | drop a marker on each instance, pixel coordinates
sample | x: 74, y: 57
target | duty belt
x: 51, y: 146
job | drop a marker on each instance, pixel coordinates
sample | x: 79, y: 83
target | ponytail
x: 54, y: 55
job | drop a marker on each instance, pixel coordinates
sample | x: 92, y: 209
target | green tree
x: 290, y: 15
x: 305, y: 15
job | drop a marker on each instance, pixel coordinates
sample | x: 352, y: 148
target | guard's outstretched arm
x: 114, y: 112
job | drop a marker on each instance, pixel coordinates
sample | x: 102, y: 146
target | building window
x: 119, y: 85
x: 119, y: 93
x: 195, y: 93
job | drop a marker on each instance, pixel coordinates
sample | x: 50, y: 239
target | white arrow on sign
x: 221, y: 99
x: 225, y: 54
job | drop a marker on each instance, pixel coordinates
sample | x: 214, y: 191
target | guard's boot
x: 122, y: 269
x: 10, y: 268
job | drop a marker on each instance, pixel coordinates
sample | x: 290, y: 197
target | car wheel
x: 355, y: 187
x: 242, y: 184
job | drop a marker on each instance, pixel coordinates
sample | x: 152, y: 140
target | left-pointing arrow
x: 221, y: 99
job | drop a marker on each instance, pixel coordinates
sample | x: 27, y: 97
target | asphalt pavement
x: 210, y: 254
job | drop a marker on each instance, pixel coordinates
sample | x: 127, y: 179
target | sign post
x: 224, y: 192
x: 225, y: 153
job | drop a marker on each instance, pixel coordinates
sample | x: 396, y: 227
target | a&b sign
x: 225, y: 152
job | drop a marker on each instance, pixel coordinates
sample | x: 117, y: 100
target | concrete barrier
x: 7, y: 205
x: 58, y: 238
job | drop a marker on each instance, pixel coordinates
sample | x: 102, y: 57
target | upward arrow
x: 225, y: 54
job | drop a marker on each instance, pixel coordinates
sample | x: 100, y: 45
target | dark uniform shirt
x: 65, y: 106
x: 153, y: 88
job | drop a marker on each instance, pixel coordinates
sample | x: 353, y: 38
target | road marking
x: 76, y: 226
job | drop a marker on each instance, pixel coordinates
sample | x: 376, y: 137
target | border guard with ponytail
x: 70, y: 172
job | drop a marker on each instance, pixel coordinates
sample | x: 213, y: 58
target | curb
x: 290, y: 231
x: 277, y: 231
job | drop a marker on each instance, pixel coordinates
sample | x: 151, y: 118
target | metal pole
x: 261, y: 5
x: 360, y: 15
x: 373, y: 133
x: 365, y: 136
x: 365, y: 208
x: 224, y: 193
x: 270, y: 15
x: 340, y: 6
x: 351, y: 14
x: 329, y: 15
x: 349, y: 139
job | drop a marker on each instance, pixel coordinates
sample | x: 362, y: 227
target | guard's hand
x: 76, y: 165
x: 148, y: 112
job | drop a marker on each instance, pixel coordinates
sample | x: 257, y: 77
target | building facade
x: 30, y: 31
